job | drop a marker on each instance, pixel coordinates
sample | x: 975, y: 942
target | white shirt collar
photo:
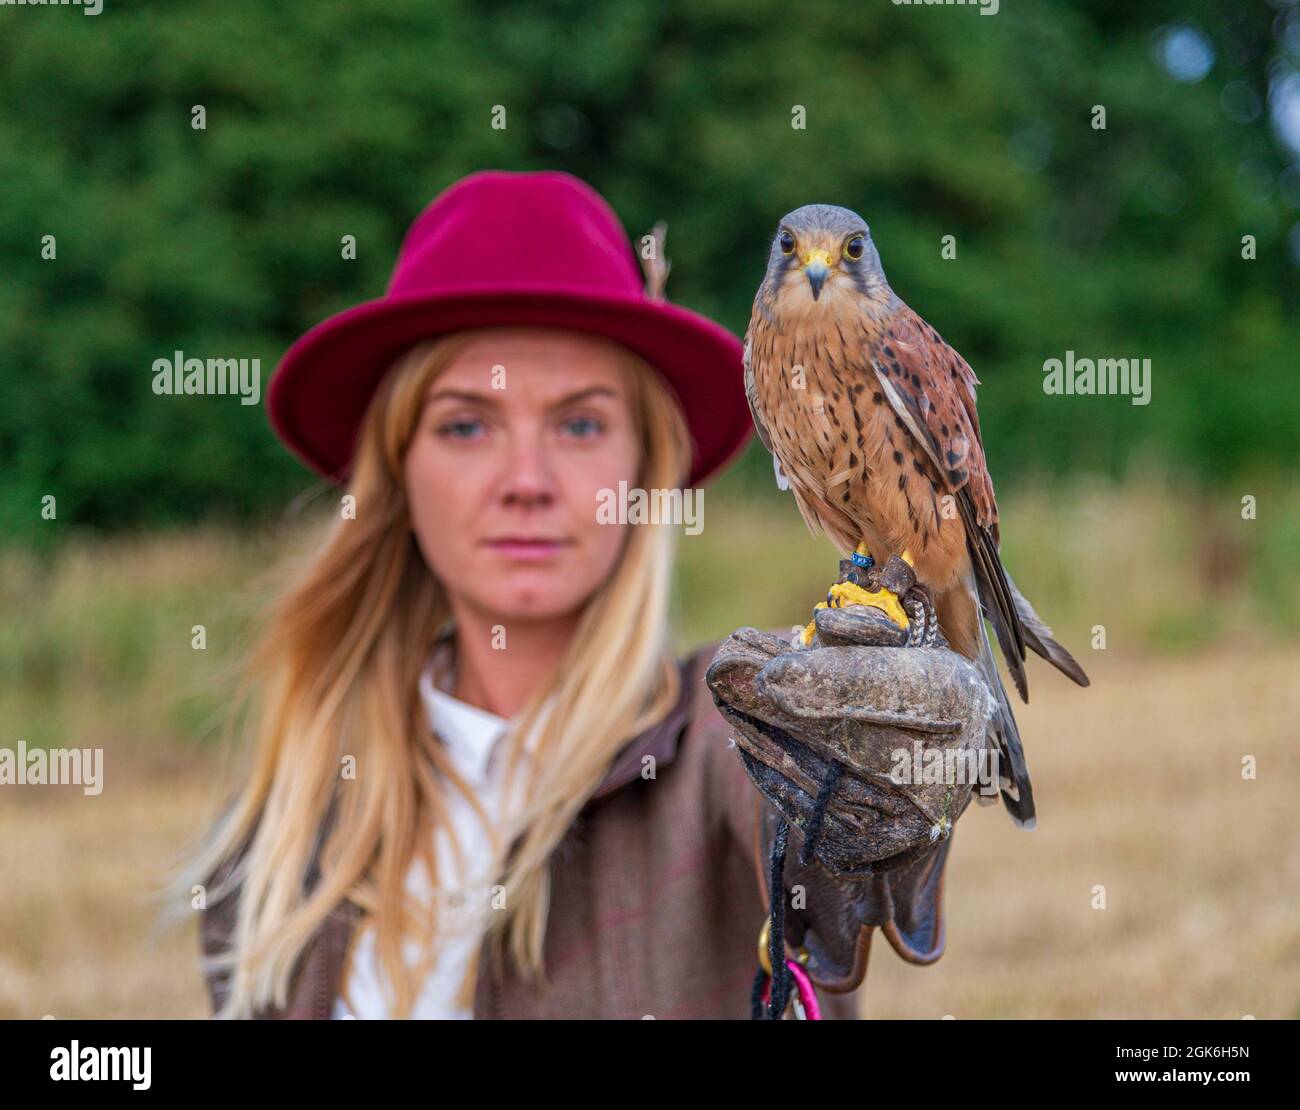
x: 471, y: 734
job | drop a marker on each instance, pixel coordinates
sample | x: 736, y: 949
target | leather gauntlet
x: 905, y: 725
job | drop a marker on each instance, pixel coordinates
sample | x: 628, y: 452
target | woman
x: 482, y: 786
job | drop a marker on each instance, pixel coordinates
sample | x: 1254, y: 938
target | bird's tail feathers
x: 1013, y: 774
x: 1038, y: 637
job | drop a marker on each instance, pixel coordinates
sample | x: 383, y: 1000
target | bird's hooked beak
x: 817, y: 267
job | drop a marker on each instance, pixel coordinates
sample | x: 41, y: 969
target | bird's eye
x: 787, y: 242
x: 854, y: 247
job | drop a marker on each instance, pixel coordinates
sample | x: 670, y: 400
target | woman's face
x: 518, y: 434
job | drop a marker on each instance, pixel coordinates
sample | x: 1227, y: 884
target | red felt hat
x: 508, y: 248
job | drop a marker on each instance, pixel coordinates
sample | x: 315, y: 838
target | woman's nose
x: 529, y: 478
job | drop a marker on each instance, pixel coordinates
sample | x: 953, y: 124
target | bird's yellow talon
x: 850, y: 593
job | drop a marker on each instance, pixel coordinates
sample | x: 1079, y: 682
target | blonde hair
x: 335, y: 675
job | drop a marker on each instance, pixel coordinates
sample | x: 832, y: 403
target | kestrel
x: 870, y: 418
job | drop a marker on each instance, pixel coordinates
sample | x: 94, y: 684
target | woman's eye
x: 583, y: 427
x: 465, y: 428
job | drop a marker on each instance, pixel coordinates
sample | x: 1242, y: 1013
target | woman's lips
x: 527, y: 550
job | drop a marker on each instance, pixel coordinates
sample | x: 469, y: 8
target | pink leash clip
x: 804, y: 1000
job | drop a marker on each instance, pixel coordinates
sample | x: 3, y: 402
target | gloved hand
x: 848, y: 715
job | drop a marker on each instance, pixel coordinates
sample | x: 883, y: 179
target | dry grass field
x: 1138, y: 779
x: 1139, y: 789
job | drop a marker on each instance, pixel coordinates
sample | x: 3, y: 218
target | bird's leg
x: 923, y: 630
x: 859, y: 586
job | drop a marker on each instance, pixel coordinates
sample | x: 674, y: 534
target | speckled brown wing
x: 751, y: 395
x: 932, y: 389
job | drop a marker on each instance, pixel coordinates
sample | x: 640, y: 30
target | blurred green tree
x: 327, y: 120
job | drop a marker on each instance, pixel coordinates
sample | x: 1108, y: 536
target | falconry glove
x: 844, y: 736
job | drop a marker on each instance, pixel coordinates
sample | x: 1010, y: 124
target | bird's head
x: 821, y: 253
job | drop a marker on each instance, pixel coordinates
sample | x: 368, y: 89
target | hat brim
x: 319, y: 392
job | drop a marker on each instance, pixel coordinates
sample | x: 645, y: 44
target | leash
x: 770, y: 994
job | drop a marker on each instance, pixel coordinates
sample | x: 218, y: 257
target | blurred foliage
x: 335, y: 119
